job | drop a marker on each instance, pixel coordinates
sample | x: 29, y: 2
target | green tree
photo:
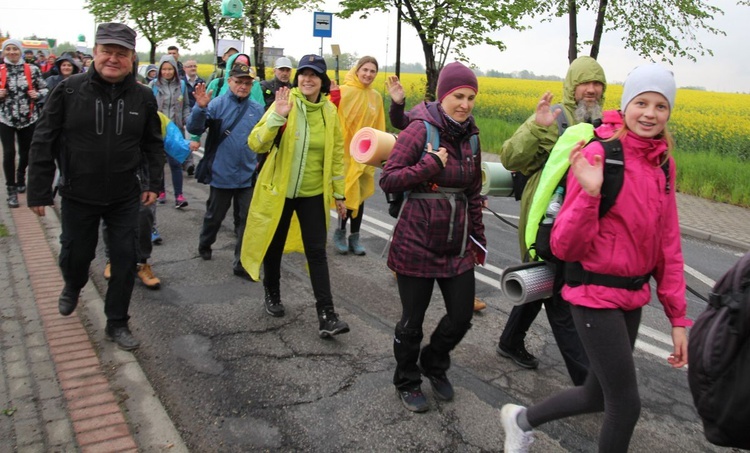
x: 446, y: 26
x: 155, y: 20
x: 664, y: 29
x: 262, y: 15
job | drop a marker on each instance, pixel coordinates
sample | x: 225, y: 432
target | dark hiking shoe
x: 122, y: 337
x: 242, y: 273
x: 441, y: 386
x: 272, y: 302
x: 68, y: 300
x: 413, y: 399
x: 520, y: 355
x: 205, y: 253
x: 330, y: 324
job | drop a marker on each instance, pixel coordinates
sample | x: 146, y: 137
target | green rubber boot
x: 354, y: 245
x: 339, y: 241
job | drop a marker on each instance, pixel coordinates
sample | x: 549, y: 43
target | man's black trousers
x: 80, y: 234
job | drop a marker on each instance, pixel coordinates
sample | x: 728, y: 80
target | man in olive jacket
x: 527, y: 151
x: 99, y: 127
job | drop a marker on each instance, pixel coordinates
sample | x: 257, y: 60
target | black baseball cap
x: 114, y: 33
x: 314, y: 62
x: 241, y: 70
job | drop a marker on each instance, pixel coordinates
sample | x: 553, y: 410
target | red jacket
x: 420, y: 246
x: 639, y: 235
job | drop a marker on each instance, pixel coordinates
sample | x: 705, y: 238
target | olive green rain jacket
x: 529, y: 147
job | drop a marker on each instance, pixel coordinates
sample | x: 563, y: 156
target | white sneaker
x: 516, y: 439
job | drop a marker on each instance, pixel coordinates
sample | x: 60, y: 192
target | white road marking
x: 382, y: 230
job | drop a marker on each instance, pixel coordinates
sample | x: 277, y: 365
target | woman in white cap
x: 21, y: 89
x: 639, y: 237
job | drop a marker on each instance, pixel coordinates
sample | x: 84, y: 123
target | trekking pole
x: 508, y: 222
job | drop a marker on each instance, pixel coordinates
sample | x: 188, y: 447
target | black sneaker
x: 122, y: 337
x: 413, y: 399
x: 68, y: 300
x: 520, y: 355
x: 21, y: 188
x: 330, y: 324
x: 441, y: 386
x: 272, y: 302
x: 242, y: 273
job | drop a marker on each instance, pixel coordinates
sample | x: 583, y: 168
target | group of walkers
x: 276, y: 152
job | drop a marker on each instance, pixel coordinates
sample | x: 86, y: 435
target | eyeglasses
x: 190, y: 66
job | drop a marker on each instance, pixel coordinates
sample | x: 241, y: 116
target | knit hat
x: 454, y: 76
x: 651, y: 77
x: 13, y: 42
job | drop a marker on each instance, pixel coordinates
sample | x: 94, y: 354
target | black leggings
x: 356, y: 221
x: 8, y: 135
x: 608, y: 336
x: 311, y: 213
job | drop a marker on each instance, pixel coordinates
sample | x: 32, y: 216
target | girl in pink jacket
x: 615, y: 256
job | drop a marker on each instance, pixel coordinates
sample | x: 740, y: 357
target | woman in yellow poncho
x: 360, y: 106
x: 302, y: 176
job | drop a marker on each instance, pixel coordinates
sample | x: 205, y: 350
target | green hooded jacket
x: 256, y: 93
x: 529, y: 147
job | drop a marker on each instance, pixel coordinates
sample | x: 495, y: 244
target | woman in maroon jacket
x: 432, y: 239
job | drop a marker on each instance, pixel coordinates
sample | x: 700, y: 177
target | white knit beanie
x: 14, y: 42
x: 650, y: 77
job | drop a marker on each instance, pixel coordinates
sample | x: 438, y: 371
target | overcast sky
x: 542, y: 50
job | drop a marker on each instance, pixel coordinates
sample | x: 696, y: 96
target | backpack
x: 719, y: 360
x: 396, y: 200
x: 29, y: 82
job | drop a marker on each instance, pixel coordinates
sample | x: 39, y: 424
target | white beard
x: 587, y: 113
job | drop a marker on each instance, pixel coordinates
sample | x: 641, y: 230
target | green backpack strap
x: 554, y: 169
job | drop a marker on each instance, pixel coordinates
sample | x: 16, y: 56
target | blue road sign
x: 322, y: 25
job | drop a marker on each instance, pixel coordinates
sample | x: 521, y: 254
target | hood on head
x: 69, y: 59
x: 582, y: 70
x: 230, y: 62
x: 167, y: 59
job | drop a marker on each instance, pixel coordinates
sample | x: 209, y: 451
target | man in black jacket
x: 99, y: 127
x: 282, y: 73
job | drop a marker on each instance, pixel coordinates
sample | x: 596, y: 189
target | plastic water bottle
x: 554, y: 206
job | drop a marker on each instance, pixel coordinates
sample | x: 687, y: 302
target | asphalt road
x: 233, y: 378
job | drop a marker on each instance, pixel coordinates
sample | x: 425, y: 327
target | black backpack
x: 719, y: 360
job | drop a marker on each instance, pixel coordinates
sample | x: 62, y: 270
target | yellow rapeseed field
x: 701, y: 121
x: 711, y: 130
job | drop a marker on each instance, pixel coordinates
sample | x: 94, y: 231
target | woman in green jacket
x: 302, y: 175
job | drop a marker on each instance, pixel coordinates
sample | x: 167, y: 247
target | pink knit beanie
x: 454, y: 76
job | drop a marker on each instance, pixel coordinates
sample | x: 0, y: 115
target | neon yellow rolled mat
x: 496, y: 180
x: 371, y: 147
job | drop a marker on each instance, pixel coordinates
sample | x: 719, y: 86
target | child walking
x: 638, y: 238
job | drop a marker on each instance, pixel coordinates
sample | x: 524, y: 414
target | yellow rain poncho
x: 272, y: 186
x: 360, y: 106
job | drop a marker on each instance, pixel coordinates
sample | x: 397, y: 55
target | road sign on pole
x: 322, y: 25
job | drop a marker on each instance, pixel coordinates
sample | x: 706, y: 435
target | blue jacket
x: 235, y: 162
